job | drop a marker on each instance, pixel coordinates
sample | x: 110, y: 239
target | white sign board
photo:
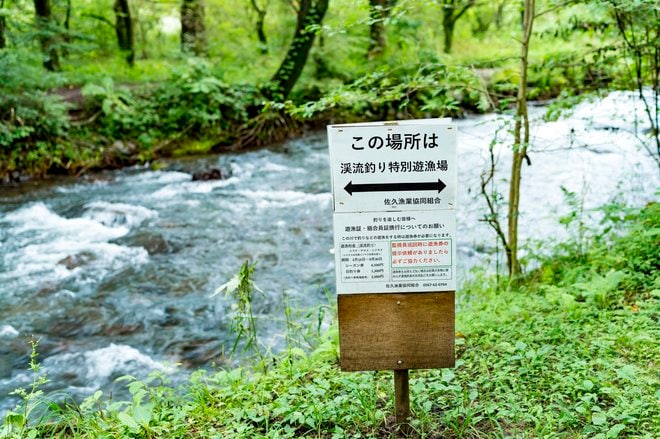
x: 385, y: 167
x: 394, y: 194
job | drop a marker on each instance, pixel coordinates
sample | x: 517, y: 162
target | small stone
x: 209, y: 174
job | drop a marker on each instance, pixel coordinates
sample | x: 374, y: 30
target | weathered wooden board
x: 396, y: 331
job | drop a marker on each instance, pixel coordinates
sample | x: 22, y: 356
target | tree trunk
x: 46, y: 35
x: 378, y: 11
x: 499, y: 14
x: 3, y: 27
x: 67, y: 29
x: 193, y: 36
x: 310, y: 14
x: 521, y: 141
x: 452, y: 10
x: 124, y: 30
x: 259, y: 25
x: 448, y: 32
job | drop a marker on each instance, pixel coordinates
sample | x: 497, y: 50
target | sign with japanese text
x: 394, y: 194
x: 395, y: 251
x: 393, y: 167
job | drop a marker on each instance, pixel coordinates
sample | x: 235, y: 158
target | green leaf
x: 93, y: 90
x: 598, y: 418
x: 142, y: 414
x: 627, y: 372
x: 615, y: 430
x: 297, y: 352
x: 229, y: 287
x: 128, y: 421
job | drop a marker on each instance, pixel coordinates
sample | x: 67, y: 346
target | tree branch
x: 100, y: 18
x: 467, y: 6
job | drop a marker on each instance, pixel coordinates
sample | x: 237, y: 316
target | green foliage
x: 637, y: 255
x: 168, y: 100
x: 192, y: 101
x: 196, y: 98
x: 433, y: 90
x: 32, y: 401
x: 574, y: 221
x: 587, y: 263
x: 243, y: 324
x: 31, y: 124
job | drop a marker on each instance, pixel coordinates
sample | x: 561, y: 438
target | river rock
x: 207, y: 174
x: 11, y: 177
x: 153, y: 243
x: 123, y: 148
x: 75, y: 261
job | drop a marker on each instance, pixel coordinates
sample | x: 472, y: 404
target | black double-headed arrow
x: 394, y: 187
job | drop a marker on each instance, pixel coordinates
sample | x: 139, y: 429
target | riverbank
x: 571, y: 350
x: 103, y: 124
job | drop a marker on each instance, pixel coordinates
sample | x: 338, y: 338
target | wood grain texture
x: 402, y: 397
x: 396, y: 331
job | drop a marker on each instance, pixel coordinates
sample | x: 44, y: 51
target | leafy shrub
x: 193, y: 102
x: 197, y: 99
x: 433, y: 90
x: 637, y: 254
x: 30, y: 125
x: 31, y: 116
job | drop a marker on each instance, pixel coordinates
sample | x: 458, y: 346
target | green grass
x: 571, y: 351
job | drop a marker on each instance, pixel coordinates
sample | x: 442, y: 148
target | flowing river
x: 113, y: 272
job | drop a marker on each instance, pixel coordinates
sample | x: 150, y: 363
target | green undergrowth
x: 59, y: 127
x: 106, y: 124
x: 571, y: 350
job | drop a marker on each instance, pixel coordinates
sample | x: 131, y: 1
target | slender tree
x: 379, y: 10
x: 452, y: 10
x: 3, y: 26
x: 259, y: 25
x: 520, y: 138
x: 193, y: 33
x: 124, y: 30
x: 638, y: 26
x: 509, y: 239
x: 47, y: 37
x: 310, y: 15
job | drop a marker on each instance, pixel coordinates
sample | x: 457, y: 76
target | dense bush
x: 31, y: 124
x: 193, y: 101
x: 429, y: 90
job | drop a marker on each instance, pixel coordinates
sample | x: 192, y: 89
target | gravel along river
x: 113, y: 272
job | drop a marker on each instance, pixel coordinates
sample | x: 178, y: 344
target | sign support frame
x: 402, y: 400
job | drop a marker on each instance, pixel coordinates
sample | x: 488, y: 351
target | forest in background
x: 87, y: 85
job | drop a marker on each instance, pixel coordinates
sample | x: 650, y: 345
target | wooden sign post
x: 394, y: 193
